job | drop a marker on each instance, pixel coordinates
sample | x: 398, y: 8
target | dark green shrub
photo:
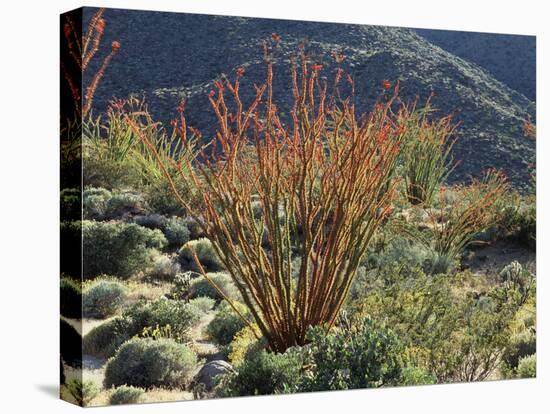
x: 204, y: 251
x: 200, y: 286
x: 126, y: 395
x: 71, y: 204
x: 264, y: 374
x: 176, y: 231
x: 365, y: 356
x: 527, y: 367
x: 71, y: 298
x: 115, y: 248
x: 226, y: 323
x: 151, y: 363
x: 151, y: 221
x: 103, y: 299
x: 71, y: 344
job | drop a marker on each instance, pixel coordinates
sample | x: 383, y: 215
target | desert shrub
x: 264, y: 374
x: 527, y: 367
x: 453, y: 227
x: 71, y: 298
x: 83, y: 392
x: 160, y: 198
x: 205, y: 253
x: 416, y: 376
x: 200, y: 286
x: 182, y: 285
x: 521, y: 345
x: 71, y: 344
x: 427, y: 157
x: 518, y: 219
x: 203, y: 303
x: 226, y: 323
x: 151, y: 221
x: 451, y: 325
x: 178, y: 315
x: 148, y: 363
x: 126, y: 395
x: 363, y: 356
x: 116, y: 248
x: 94, y: 203
x: 176, y: 231
x: 163, y: 268
x: 124, y: 203
x: 103, y: 340
x: 71, y: 204
x: 103, y: 299
x: 195, y: 230
x: 244, y: 346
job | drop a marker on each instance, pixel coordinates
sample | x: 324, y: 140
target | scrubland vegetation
x: 318, y: 251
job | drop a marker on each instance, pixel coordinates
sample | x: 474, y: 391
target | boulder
x: 210, y: 371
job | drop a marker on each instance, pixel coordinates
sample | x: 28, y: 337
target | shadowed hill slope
x: 166, y: 56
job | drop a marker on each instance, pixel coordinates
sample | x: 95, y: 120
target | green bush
x: 71, y: 344
x: 163, y: 268
x: 94, y: 203
x: 200, y: 286
x: 103, y: 299
x: 151, y: 363
x: 182, y: 286
x: 126, y: 395
x: 104, y: 340
x: 226, y: 323
x: 264, y: 374
x: 364, y: 356
x: 205, y: 252
x: 112, y: 248
x: 176, y: 231
x: 121, y: 204
x: 152, y: 221
x: 83, y: 392
x: 71, y: 204
x: 453, y: 326
x: 71, y: 298
x: 244, y: 346
x: 203, y: 304
x: 518, y: 218
x: 527, y: 367
x: 521, y: 345
x: 416, y: 376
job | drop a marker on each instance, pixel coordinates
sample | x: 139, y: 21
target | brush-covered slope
x: 166, y: 56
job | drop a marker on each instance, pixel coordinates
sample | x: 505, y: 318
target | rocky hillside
x: 165, y: 56
x: 509, y: 58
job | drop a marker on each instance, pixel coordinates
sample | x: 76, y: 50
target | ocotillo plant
x: 82, y: 49
x: 428, y: 160
x: 454, y: 225
x: 322, y: 189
